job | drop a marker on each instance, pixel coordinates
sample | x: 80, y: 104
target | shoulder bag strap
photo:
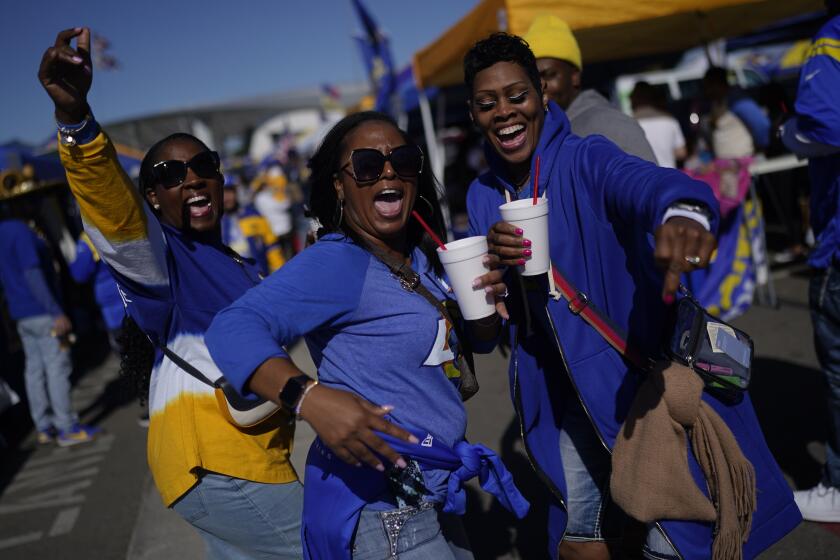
x: 237, y: 401
x: 581, y: 305
x: 186, y: 366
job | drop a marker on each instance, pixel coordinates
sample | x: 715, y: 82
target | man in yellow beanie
x: 559, y: 63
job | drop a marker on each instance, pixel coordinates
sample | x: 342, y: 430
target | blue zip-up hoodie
x: 603, y: 208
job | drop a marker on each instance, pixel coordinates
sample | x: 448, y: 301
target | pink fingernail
x: 380, y: 467
x: 526, y: 243
x: 527, y: 252
x: 519, y: 231
x: 76, y: 59
x: 413, y: 439
x: 521, y: 261
x: 476, y: 283
x: 489, y: 289
x: 387, y: 407
x: 401, y: 463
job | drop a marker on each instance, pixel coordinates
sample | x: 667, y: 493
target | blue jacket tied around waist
x: 604, y: 206
x: 336, y: 492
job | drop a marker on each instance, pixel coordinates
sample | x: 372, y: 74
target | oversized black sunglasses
x: 369, y: 163
x: 171, y: 173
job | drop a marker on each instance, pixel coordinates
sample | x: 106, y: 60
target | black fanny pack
x: 717, y: 351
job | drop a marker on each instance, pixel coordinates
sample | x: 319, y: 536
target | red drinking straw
x: 429, y: 230
x: 536, y: 180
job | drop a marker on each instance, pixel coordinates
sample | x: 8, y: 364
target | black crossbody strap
x: 187, y: 367
x: 234, y: 399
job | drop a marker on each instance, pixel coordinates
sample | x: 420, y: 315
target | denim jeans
x: 824, y: 300
x: 592, y: 516
x: 410, y: 534
x: 240, y: 519
x: 46, y: 374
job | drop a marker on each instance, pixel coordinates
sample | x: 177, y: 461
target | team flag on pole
x: 376, y: 53
x: 102, y: 58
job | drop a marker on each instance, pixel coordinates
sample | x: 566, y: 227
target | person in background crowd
x: 247, y: 232
x: 356, y: 296
x: 274, y: 198
x: 572, y: 390
x: 815, y: 133
x: 162, y: 243
x: 739, y: 127
x: 661, y: 129
x: 30, y: 283
x: 88, y: 266
x: 559, y: 62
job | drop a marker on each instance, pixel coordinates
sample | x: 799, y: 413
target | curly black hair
x: 323, y: 201
x: 137, y: 357
x: 500, y: 47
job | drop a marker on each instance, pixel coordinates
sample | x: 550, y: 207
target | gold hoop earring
x: 339, y: 204
x: 428, y: 204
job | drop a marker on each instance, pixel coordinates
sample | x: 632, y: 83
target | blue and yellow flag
x: 376, y: 54
x: 727, y: 287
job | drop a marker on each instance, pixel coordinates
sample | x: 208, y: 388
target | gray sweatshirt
x: 591, y: 113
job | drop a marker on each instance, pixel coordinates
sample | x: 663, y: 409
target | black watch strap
x: 293, y: 391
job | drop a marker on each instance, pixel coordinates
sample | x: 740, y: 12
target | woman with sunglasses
x: 235, y: 485
x: 612, y: 219
x: 366, y: 298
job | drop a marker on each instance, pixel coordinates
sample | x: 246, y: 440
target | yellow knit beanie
x: 550, y: 37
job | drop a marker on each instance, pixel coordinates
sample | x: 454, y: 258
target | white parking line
x: 21, y: 539
x: 64, y: 521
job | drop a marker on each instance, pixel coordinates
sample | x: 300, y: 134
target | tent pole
x: 434, y: 154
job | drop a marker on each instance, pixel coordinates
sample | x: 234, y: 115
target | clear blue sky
x: 178, y: 53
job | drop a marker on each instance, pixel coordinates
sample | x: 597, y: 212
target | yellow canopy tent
x: 605, y: 29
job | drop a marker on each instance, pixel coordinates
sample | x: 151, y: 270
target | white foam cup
x: 463, y: 261
x: 532, y: 219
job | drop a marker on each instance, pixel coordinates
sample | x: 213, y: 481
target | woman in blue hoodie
x: 572, y: 390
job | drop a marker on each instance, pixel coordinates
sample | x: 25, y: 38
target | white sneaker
x: 820, y: 503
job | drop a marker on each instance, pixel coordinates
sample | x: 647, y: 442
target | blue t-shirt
x: 366, y: 335
x: 22, y: 250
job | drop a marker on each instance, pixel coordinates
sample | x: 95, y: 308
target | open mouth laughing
x: 511, y: 137
x: 389, y: 202
x: 199, y: 206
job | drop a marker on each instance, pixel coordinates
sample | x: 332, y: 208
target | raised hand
x: 66, y: 74
x: 682, y: 245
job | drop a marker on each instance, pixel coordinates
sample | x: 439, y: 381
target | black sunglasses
x: 369, y: 163
x: 171, y: 173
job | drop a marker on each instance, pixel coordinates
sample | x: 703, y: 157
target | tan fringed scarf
x: 650, y: 475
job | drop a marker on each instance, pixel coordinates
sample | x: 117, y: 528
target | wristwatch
x: 292, y: 392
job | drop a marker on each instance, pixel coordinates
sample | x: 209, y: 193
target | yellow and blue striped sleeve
x: 123, y: 230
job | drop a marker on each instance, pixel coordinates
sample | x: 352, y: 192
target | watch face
x: 292, y: 391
